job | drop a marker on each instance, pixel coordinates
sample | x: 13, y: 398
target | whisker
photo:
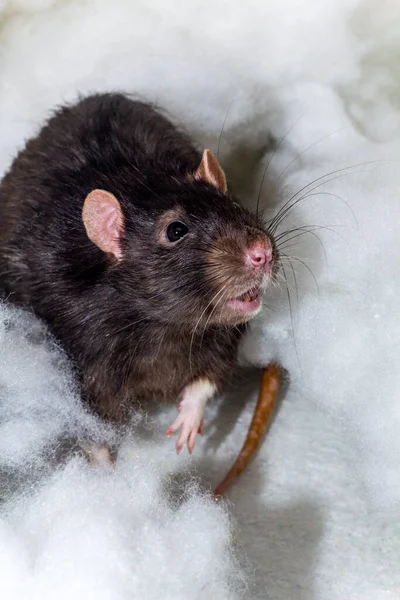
x: 326, y: 178
x: 197, y: 324
x: 286, y: 211
x: 211, y: 314
x: 307, y: 267
x: 310, y: 260
x: 286, y: 282
x: 270, y: 160
x: 309, y: 148
x: 305, y: 228
x: 291, y: 317
x: 283, y: 245
x: 325, y: 193
x: 223, y: 125
x: 294, y: 277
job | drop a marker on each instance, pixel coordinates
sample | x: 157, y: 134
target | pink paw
x: 190, y: 418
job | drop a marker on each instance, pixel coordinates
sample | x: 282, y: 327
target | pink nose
x: 259, y: 256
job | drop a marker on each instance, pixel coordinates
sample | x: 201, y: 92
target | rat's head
x: 184, y: 253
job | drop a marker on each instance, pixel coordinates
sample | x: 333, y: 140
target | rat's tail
x: 269, y: 386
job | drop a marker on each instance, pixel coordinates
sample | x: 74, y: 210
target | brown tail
x: 269, y: 386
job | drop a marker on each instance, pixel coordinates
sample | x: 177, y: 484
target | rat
x: 122, y: 236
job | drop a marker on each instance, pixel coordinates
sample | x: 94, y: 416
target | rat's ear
x: 103, y: 220
x: 210, y: 171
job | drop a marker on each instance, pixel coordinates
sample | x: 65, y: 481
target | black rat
x: 118, y: 233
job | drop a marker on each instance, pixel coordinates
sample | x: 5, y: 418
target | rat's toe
x: 175, y: 425
x: 192, y: 440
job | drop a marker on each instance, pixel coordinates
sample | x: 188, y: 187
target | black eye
x: 176, y: 231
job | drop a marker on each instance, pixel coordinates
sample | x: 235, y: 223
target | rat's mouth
x: 249, y: 301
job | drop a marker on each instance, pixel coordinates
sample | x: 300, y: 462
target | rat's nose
x: 259, y: 256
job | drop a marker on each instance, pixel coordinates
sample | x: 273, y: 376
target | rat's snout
x: 259, y: 256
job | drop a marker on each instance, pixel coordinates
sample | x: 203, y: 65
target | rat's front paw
x: 190, y: 418
x: 191, y: 412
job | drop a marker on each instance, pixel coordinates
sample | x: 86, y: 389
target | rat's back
x: 105, y: 141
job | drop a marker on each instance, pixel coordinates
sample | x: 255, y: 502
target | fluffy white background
x: 316, y: 514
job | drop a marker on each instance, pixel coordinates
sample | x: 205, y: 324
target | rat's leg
x: 191, y: 412
x: 97, y: 453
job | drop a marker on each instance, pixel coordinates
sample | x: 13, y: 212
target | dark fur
x: 127, y: 326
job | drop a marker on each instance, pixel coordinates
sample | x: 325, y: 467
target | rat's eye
x: 176, y: 231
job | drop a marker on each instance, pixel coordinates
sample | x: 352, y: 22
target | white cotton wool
x: 112, y: 534
x: 127, y: 531
x: 39, y: 403
x: 316, y: 511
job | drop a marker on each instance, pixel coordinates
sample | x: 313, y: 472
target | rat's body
x: 117, y: 232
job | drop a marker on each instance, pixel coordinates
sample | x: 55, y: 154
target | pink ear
x: 103, y: 220
x: 210, y: 171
